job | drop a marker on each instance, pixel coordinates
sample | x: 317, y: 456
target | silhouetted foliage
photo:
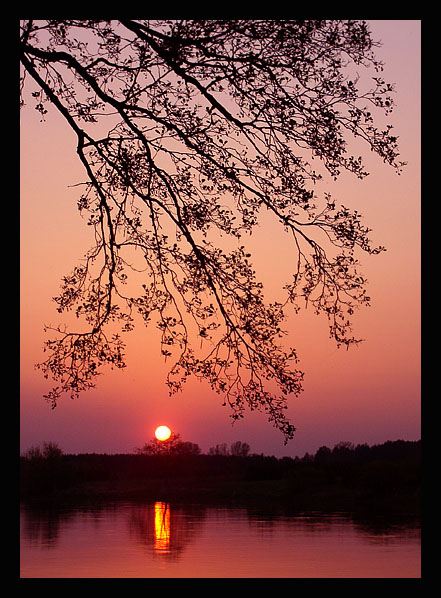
x: 239, y: 449
x: 43, y: 471
x: 188, y: 130
x: 172, y: 446
x: 219, y: 449
x: 384, y: 477
x: 48, y: 451
x: 260, y: 467
x: 323, y: 455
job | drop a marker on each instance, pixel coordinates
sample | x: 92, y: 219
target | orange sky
x: 368, y: 394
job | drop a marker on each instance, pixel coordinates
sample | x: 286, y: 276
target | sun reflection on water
x: 230, y: 542
x: 162, y: 527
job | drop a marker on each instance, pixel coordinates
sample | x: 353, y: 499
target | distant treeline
x: 366, y: 473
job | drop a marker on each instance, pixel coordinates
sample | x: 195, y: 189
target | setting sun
x: 162, y: 433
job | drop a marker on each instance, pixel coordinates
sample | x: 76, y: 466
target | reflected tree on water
x: 190, y: 131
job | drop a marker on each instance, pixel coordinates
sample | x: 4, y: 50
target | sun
x: 162, y: 432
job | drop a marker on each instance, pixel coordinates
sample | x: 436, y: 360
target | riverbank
x: 383, y: 479
x: 268, y: 495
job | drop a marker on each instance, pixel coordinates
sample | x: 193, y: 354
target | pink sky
x: 368, y: 394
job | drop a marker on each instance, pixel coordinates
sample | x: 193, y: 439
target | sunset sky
x: 368, y: 394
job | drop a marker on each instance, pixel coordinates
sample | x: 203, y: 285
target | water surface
x: 154, y: 540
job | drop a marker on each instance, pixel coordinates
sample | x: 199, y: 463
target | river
x: 161, y: 540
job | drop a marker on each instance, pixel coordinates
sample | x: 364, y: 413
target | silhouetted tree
x: 240, y: 449
x: 49, y: 451
x: 173, y: 446
x: 188, y: 130
x: 42, y: 470
x: 219, y: 449
x: 323, y: 455
x: 343, y: 451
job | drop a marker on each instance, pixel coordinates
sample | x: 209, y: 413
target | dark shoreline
x: 378, y: 481
x: 273, y: 496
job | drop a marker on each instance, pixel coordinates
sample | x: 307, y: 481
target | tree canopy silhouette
x: 172, y: 446
x: 188, y: 130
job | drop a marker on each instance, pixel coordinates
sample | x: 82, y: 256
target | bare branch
x: 208, y: 123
